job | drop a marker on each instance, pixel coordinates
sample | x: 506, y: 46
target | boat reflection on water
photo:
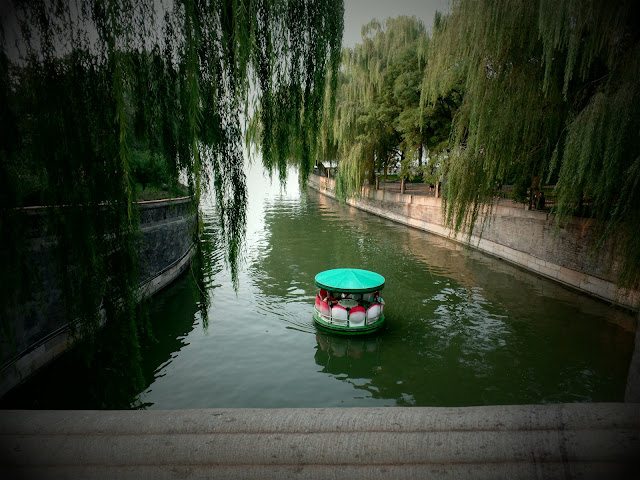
x: 355, y: 356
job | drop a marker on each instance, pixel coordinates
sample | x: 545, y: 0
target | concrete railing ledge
x: 512, y: 441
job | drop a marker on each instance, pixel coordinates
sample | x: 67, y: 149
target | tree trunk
x: 386, y: 166
x: 372, y: 177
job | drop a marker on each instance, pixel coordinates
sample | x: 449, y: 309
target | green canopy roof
x: 350, y: 280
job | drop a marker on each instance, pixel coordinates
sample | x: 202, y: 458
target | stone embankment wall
x: 39, y: 327
x: 529, y: 239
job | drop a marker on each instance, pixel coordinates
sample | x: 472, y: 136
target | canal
x: 462, y: 328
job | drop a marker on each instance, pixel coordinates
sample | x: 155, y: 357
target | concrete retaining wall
x: 529, y: 239
x: 40, y: 326
x: 496, y: 442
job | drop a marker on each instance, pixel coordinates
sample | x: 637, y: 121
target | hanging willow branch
x: 551, y: 94
x: 292, y: 82
x: 90, y: 86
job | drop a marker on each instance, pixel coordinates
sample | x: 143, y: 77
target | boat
x: 349, y: 301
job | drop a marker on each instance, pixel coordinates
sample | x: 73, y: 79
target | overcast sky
x: 360, y: 12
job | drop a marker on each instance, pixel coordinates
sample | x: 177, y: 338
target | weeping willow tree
x: 551, y: 94
x: 505, y: 128
x: 378, y: 119
x: 88, y: 85
x: 364, y: 127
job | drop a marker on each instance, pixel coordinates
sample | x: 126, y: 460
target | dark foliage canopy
x: 551, y: 95
x: 512, y: 92
x: 91, y: 90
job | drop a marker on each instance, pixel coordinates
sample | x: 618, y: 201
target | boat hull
x: 345, y: 329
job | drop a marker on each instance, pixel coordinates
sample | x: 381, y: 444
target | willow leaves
x: 378, y: 119
x: 89, y: 86
x: 510, y: 92
x: 551, y: 94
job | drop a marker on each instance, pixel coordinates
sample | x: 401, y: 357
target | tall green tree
x: 550, y: 94
x: 87, y: 84
x: 379, y: 119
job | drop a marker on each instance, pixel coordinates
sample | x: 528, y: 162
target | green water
x: 462, y: 328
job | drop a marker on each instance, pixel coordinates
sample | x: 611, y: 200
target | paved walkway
x: 495, y: 442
